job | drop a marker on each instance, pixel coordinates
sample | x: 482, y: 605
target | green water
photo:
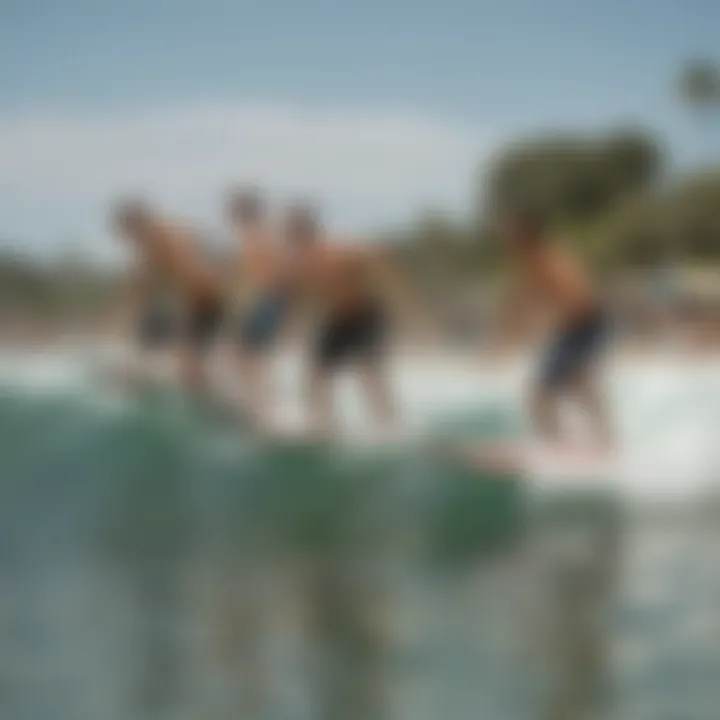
x: 116, y: 518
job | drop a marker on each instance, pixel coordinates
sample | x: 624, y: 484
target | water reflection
x: 147, y: 573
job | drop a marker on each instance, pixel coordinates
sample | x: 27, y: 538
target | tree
x: 632, y: 159
x: 572, y: 177
x: 700, y: 84
x: 679, y: 225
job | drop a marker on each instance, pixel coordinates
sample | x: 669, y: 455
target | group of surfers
x: 183, y: 299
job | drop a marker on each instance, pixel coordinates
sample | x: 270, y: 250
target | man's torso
x: 340, y: 277
x: 559, y: 284
x: 175, y: 259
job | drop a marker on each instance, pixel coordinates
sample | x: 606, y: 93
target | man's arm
x: 400, y: 291
x: 513, y: 317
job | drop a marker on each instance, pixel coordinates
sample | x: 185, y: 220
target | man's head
x: 246, y: 206
x: 302, y: 225
x: 524, y: 230
x: 132, y: 217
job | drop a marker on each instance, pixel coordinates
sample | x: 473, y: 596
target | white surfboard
x: 536, y: 459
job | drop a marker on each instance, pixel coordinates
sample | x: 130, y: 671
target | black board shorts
x: 351, y: 337
x: 204, y: 322
x: 158, y: 328
x: 573, y: 349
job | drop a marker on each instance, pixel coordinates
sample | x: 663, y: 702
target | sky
x: 375, y: 110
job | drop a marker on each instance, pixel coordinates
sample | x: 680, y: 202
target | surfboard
x: 533, y: 458
x: 512, y: 457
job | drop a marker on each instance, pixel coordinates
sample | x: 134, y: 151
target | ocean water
x: 158, y: 563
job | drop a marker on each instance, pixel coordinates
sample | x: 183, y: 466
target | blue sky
x: 374, y: 108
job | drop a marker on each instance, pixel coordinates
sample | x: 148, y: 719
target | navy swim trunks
x: 262, y: 324
x: 349, y: 337
x: 158, y: 327
x: 204, y: 322
x: 573, y: 349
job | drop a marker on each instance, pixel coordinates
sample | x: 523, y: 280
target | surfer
x: 344, y: 282
x: 259, y: 295
x: 552, y: 279
x: 153, y: 314
x: 169, y: 256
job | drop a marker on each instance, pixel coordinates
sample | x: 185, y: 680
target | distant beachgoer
x: 551, y: 279
x: 172, y: 271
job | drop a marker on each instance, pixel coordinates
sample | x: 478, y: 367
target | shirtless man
x: 552, y: 279
x: 259, y: 294
x: 151, y: 315
x: 343, y: 281
x: 168, y: 255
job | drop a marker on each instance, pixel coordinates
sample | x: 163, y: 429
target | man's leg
x: 544, y: 412
x: 375, y: 379
x: 328, y: 353
x: 256, y: 338
x: 204, y: 324
x: 192, y: 369
x: 545, y: 397
x: 320, y: 401
x: 370, y: 344
x: 155, y: 355
x: 254, y: 378
x: 587, y: 390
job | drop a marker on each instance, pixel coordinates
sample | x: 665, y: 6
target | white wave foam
x: 667, y: 412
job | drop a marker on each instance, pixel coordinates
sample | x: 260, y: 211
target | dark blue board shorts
x: 259, y: 328
x: 573, y: 349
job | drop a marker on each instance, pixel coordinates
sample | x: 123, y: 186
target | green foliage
x: 678, y: 225
x: 607, y: 195
x: 30, y: 290
x: 571, y: 178
x: 700, y: 84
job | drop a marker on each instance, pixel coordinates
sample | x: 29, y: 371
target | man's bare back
x: 174, y: 251
x: 343, y: 281
x: 557, y: 281
x: 171, y: 251
x: 339, y: 274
